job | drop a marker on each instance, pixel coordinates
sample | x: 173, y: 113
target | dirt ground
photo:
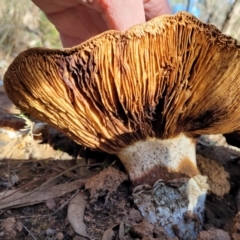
x: 43, y: 176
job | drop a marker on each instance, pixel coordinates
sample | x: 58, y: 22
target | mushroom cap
x: 171, y: 75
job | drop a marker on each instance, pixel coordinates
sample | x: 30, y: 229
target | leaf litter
x: 75, y: 214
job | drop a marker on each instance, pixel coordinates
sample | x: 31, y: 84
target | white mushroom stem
x: 170, y: 192
x: 153, y: 159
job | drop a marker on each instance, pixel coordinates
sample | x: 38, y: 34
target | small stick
x: 29, y: 232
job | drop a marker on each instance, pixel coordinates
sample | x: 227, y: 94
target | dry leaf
x: 75, y: 214
x: 20, y: 199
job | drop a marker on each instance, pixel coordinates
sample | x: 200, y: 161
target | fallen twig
x: 45, y: 183
x: 29, y: 232
x: 21, y: 199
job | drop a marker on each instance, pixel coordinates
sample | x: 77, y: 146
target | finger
x: 119, y: 14
x: 154, y: 8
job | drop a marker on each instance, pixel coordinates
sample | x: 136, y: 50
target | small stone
x: 51, y: 204
x: 50, y: 232
x: 1, y: 234
x: 9, y: 212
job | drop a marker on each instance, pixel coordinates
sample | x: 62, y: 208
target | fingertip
x: 121, y: 15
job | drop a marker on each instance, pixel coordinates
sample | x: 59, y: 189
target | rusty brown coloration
x: 171, y: 75
x: 158, y: 173
x: 187, y: 167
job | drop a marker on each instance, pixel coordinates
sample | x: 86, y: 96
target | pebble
x: 50, y: 232
x: 51, y: 204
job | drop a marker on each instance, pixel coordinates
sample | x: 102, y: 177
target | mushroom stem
x: 169, y: 192
x: 152, y: 159
x: 175, y: 205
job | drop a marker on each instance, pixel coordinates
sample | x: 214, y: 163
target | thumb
x: 119, y: 14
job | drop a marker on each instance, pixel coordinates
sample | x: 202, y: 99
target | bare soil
x: 38, y: 164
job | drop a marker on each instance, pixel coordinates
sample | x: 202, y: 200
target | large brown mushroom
x: 144, y: 95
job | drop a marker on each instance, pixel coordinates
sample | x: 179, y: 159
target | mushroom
x: 144, y: 95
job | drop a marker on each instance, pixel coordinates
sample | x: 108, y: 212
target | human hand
x: 78, y: 20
